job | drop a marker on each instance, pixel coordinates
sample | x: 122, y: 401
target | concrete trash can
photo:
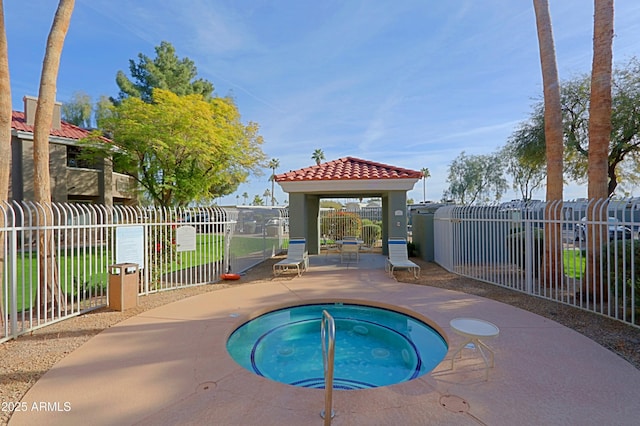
x: 123, y: 286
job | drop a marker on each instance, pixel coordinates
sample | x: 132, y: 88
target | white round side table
x: 473, y: 330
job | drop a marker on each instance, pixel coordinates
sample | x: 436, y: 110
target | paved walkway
x: 169, y: 366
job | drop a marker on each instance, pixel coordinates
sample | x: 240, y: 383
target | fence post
x: 12, y: 268
x: 529, y: 253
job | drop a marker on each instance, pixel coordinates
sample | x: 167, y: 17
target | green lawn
x: 574, y: 263
x: 90, y: 266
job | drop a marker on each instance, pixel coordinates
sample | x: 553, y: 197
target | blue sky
x: 406, y: 83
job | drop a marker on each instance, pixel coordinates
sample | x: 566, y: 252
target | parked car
x: 615, y: 229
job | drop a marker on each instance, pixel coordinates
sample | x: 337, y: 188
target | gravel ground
x: 27, y: 358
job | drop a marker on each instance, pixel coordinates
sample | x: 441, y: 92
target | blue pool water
x: 373, y: 347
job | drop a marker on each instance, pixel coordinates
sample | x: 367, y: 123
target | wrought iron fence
x: 365, y: 223
x: 581, y: 253
x: 55, y: 259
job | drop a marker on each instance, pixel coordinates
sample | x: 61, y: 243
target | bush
x: 624, y: 258
x: 518, y: 249
x: 371, y: 233
x: 412, y: 251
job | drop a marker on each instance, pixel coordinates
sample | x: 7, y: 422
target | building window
x: 75, y: 159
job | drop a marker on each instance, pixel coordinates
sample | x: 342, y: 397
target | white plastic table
x: 473, y: 330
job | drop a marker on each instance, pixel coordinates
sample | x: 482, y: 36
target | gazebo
x: 347, y: 177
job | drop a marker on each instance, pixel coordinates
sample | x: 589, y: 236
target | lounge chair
x: 349, y: 249
x: 399, y: 258
x: 297, y: 258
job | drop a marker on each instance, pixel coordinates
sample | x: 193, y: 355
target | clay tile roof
x: 348, y: 168
x: 66, y: 130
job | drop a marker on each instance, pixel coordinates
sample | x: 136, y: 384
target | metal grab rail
x: 328, y: 353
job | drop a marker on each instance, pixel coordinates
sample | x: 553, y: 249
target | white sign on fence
x: 130, y: 245
x: 186, y: 238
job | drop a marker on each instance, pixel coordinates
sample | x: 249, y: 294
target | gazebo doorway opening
x: 344, y: 218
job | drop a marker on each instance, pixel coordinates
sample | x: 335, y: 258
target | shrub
x: 370, y: 234
x: 624, y: 270
x: 518, y: 249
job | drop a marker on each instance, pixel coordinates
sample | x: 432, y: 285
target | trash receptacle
x: 123, y: 286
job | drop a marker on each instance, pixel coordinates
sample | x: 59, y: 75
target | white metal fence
x: 55, y: 259
x: 551, y: 251
x: 364, y: 222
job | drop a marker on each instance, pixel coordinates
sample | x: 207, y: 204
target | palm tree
x: 246, y: 198
x: 553, y: 139
x: 600, y: 101
x: 5, y: 135
x: 318, y: 155
x: 273, y: 165
x: 599, y: 135
x: 237, y: 199
x: 266, y: 194
x: 41, y: 131
x: 257, y: 201
x: 5, y: 113
x: 425, y: 176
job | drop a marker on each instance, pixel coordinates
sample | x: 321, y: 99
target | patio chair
x: 399, y: 258
x: 297, y: 258
x: 349, y: 249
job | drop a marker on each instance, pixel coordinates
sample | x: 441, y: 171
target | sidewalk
x: 170, y: 366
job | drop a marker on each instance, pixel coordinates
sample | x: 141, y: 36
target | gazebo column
x: 303, y: 219
x: 396, y: 215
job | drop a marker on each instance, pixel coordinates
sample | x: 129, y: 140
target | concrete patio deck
x: 170, y: 366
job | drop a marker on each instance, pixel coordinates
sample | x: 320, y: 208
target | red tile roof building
x: 348, y: 168
x: 72, y: 178
x: 66, y: 130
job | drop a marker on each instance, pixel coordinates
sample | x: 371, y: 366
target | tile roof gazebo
x: 347, y: 177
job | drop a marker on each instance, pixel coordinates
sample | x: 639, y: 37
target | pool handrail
x: 328, y: 355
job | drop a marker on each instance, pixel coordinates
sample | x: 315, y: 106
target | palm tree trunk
x: 599, y: 136
x: 554, y: 144
x: 41, y: 131
x: 5, y: 140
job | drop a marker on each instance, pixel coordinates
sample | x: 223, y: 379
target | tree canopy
x: 624, y: 144
x: 78, y: 110
x: 475, y: 178
x: 166, y: 71
x: 526, y: 166
x: 182, y: 148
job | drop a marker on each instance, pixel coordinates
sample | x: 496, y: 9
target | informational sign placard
x: 130, y: 245
x: 186, y: 238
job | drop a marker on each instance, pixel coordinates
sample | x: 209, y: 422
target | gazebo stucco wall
x: 347, y: 177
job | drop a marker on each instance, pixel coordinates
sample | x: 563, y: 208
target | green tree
x: 182, y: 148
x: 624, y: 141
x: 166, y: 71
x: 78, y: 110
x: 257, y: 201
x: 528, y: 175
x: 318, y: 156
x: 246, y: 197
x: 273, y: 165
x: 102, y: 110
x: 475, y: 178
